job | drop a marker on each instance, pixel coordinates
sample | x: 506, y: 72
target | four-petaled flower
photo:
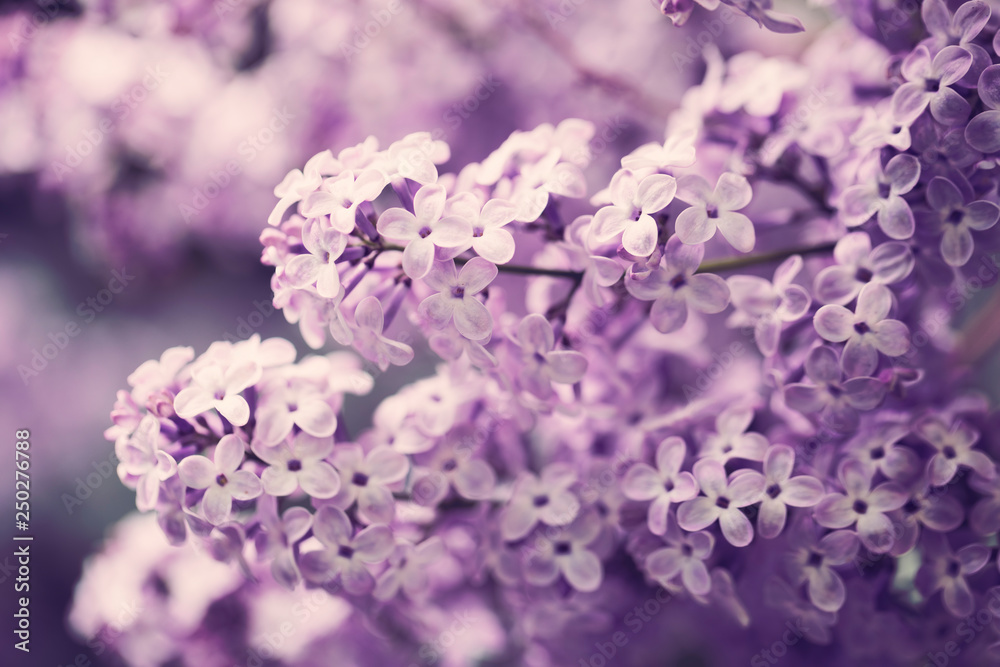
x: 929, y: 83
x: 140, y: 457
x: 542, y: 364
x: 673, y: 287
x: 813, y: 560
x: 957, y: 219
x: 345, y: 554
x: 770, y: 304
x: 954, y: 448
x: 456, y: 297
x: 370, y: 320
x: 546, y: 499
x: 299, y: 464
x: 424, y: 230
x: 881, y: 194
x: 219, y: 387
x: 564, y: 551
x: 633, y: 203
x: 221, y: 478
x: 715, y: 209
x: 722, y: 501
x: 857, y: 265
x: 946, y: 571
x: 318, y: 266
x: 487, y: 235
x: 867, y: 330
x: 731, y: 440
x: 407, y: 571
x: 863, y: 505
x: 367, y: 479
x: 781, y: 490
x: 685, y: 554
x: 340, y: 196
x: 836, y: 400
x: 663, y: 485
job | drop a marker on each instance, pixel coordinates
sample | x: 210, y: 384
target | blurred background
x: 140, y: 142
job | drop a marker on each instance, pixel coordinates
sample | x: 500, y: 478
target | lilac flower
x: 673, y: 287
x: 882, y: 197
x: 143, y: 464
x: 960, y: 28
x: 452, y: 466
x: 814, y: 623
x: 957, y: 219
x: 770, y: 304
x: 944, y: 570
x: 297, y: 185
x: 858, y: 264
x: 983, y: 132
x: 664, y: 485
x: 487, y: 235
x: 543, y: 365
x: 546, y: 499
x: 880, y: 449
x: 340, y: 196
x: 715, y: 209
x: 456, y: 298
x: 369, y: 339
x: 722, y: 501
x: 319, y: 265
x: 221, y: 477
x: 813, y: 561
x: 218, y: 387
x: 929, y: 83
x: 985, y: 515
x: 837, y: 400
x: 276, y: 540
x: 863, y: 505
x: 290, y: 402
x: 424, y: 230
x: 634, y: 201
x: 730, y: 440
x: 928, y: 507
x: 867, y: 330
x: 299, y: 464
x: 954, y: 448
x: 154, y: 376
x: 345, y: 554
x: 675, y: 151
x: 564, y: 551
x: 685, y: 554
x: 781, y: 490
x: 407, y: 571
x: 366, y: 479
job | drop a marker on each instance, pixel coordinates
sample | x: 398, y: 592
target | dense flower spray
x: 724, y: 380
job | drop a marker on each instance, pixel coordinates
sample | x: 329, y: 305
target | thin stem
x: 730, y: 263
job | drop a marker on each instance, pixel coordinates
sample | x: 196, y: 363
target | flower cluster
x: 733, y: 383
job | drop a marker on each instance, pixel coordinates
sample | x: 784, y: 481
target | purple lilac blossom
x: 588, y: 443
